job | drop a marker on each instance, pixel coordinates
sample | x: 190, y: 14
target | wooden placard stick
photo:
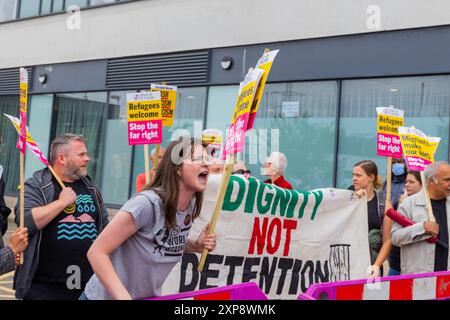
x: 22, y: 196
x: 227, y: 170
x: 56, y: 176
x: 155, y: 161
x: 147, y: 164
x: 427, y: 197
x: 388, y: 182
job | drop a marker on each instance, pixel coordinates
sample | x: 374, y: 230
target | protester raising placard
x: 388, y: 141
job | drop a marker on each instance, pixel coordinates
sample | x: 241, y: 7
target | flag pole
x: 147, y: 164
x: 56, y: 176
x: 227, y: 170
x: 155, y: 161
x: 22, y: 195
x: 388, y: 181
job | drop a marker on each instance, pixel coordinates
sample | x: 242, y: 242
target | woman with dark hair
x: 367, y: 182
x: 134, y: 254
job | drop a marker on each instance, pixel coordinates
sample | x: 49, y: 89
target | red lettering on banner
x: 289, y: 225
x: 271, y: 234
x: 273, y: 247
x: 258, y: 236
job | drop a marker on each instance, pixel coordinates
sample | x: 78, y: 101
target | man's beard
x: 73, y: 172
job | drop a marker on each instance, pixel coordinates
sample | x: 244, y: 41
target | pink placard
x: 389, y: 145
x: 236, y: 136
x: 416, y: 163
x: 144, y: 132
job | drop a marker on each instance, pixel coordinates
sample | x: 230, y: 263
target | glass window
x: 97, y: 2
x: 29, y: 8
x: 426, y: 103
x: 221, y: 101
x: 39, y: 123
x: 9, y: 154
x: 117, y: 169
x: 188, y: 119
x: 79, y: 3
x: 83, y: 114
x: 8, y: 9
x: 46, y: 6
x: 300, y: 118
x: 58, y: 5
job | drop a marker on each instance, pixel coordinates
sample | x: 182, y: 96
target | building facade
x: 337, y: 62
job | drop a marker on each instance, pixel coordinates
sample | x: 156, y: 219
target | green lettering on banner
x: 229, y: 205
x: 263, y: 209
x: 301, y: 211
x: 282, y: 197
x: 292, y: 204
x: 251, y: 194
x: 318, y: 195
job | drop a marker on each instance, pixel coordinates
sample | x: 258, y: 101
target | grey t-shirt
x: 145, y: 259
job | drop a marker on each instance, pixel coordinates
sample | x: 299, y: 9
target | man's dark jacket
x: 39, y: 191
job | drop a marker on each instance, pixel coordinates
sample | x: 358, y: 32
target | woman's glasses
x: 246, y: 173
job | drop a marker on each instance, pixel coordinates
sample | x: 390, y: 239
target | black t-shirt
x: 373, y: 215
x: 68, y: 237
x: 441, y: 253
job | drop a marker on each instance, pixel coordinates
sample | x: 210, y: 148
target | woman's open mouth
x: 203, y: 177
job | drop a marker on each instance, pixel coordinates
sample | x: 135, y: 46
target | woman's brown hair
x: 370, y: 168
x: 416, y: 175
x: 166, y: 181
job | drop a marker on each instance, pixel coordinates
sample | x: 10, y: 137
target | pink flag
x: 23, y: 109
x: 29, y: 140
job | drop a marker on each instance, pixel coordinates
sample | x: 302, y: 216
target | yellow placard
x: 265, y: 64
x: 389, y: 124
x: 144, y: 110
x: 414, y: 146
x: 244, y: 101
x: 168, y: 102
x: 23, y: 96
x: 16, y: 124
x: 212, y: 136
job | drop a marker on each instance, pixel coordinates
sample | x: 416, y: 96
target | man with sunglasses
x: 241, y: 168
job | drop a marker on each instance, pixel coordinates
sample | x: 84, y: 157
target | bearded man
x: 62, y: 223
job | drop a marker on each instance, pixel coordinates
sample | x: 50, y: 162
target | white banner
x: 284, y: 240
